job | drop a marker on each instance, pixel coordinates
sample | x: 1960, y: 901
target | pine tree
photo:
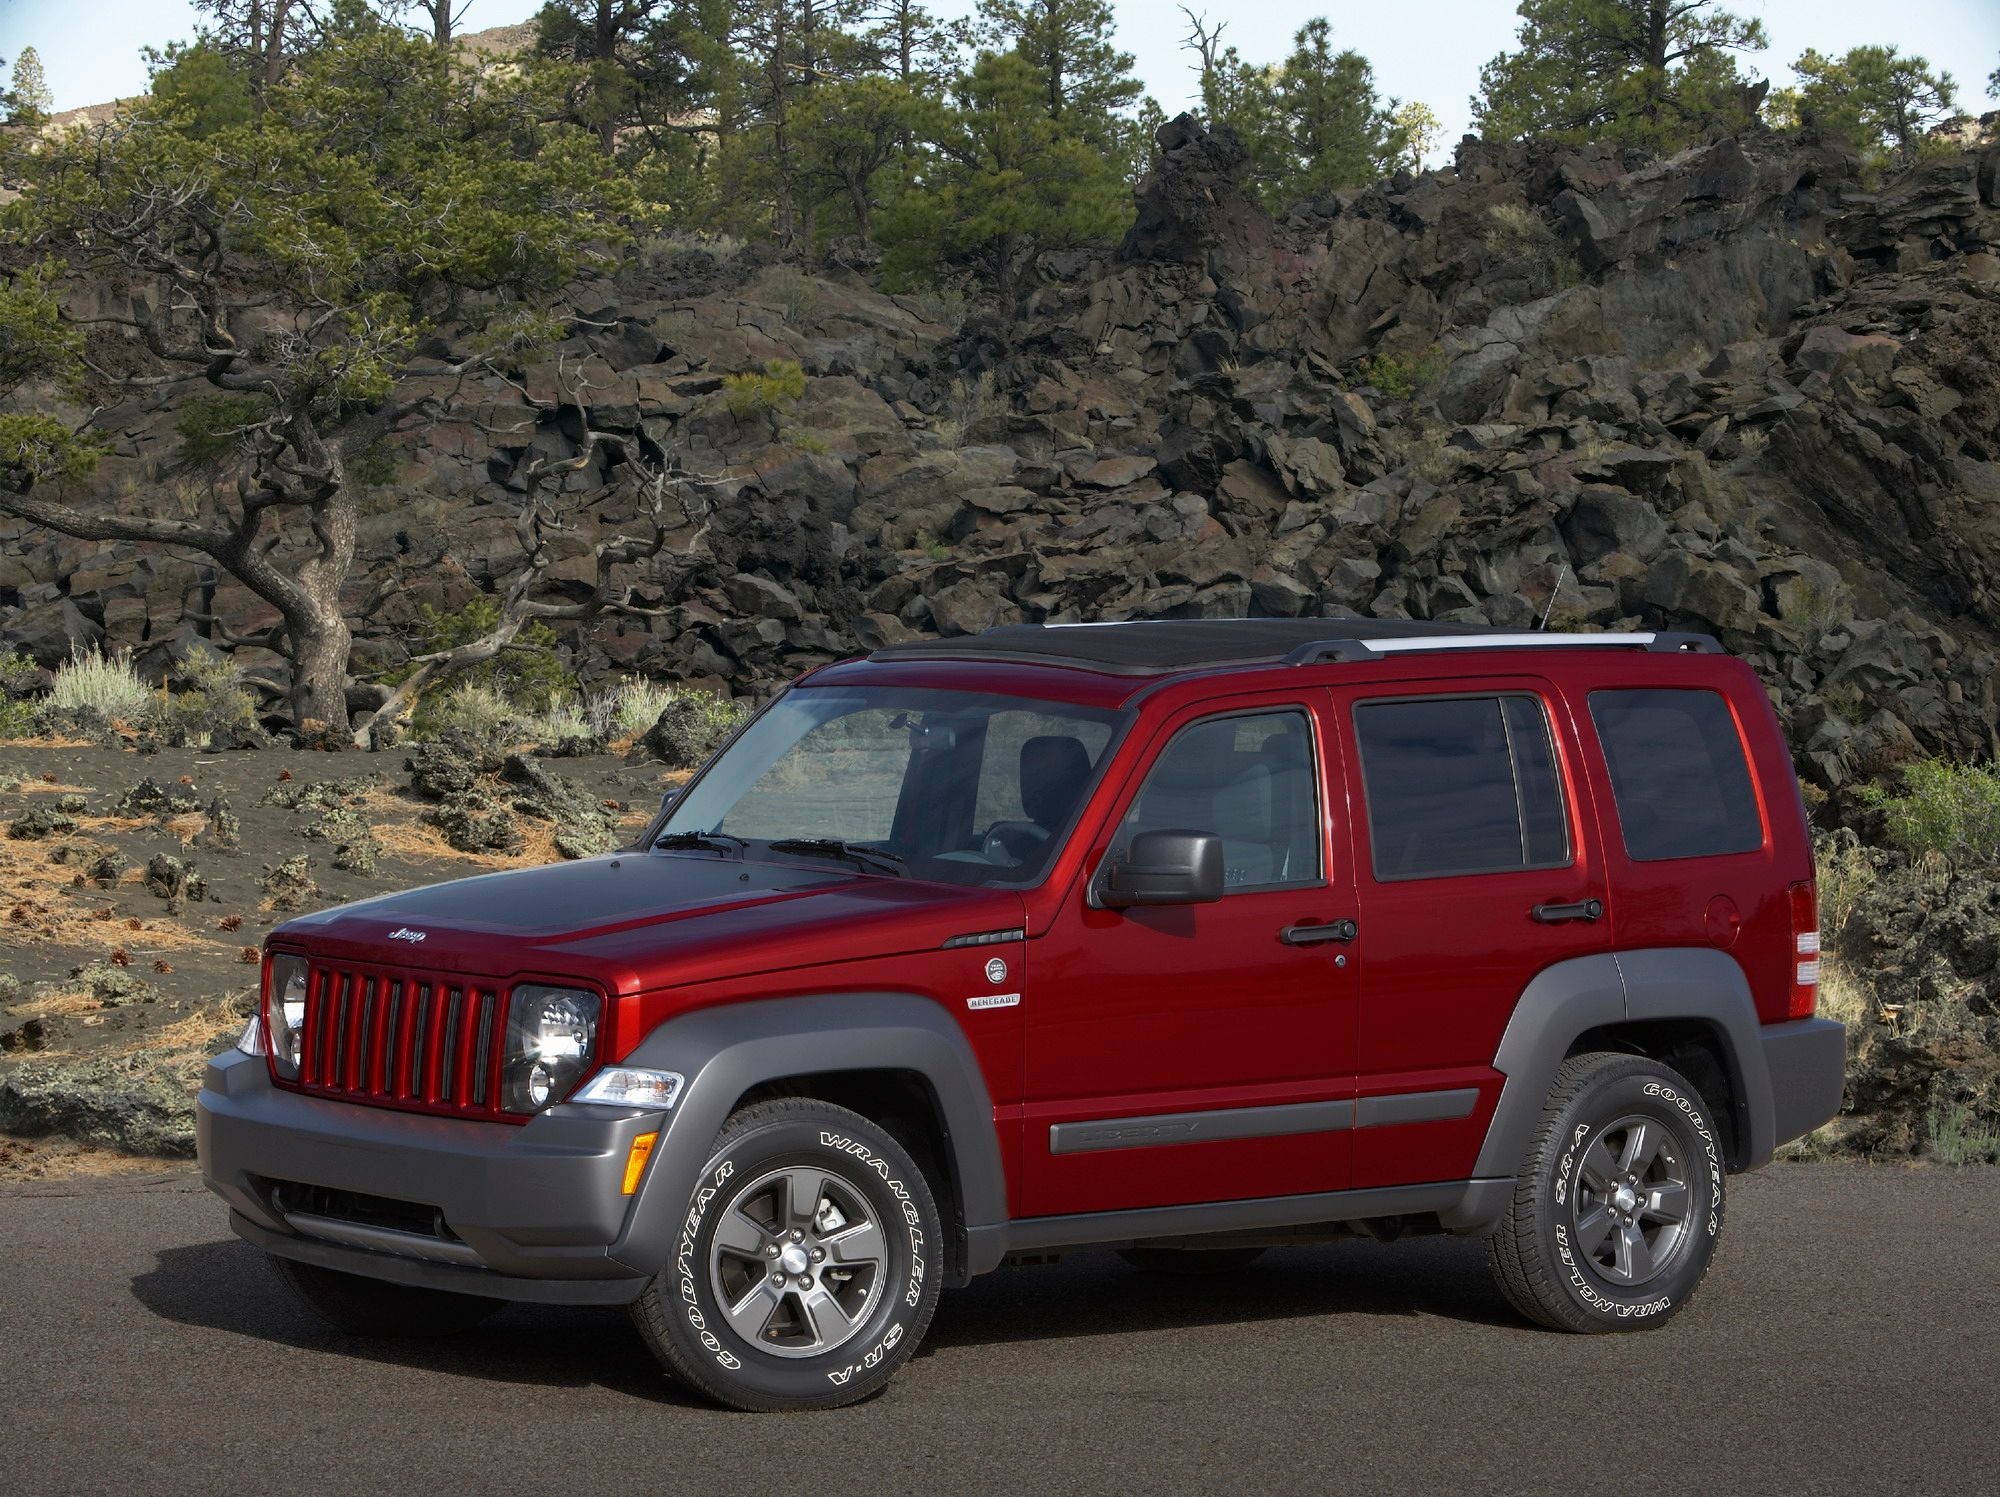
x: 1874, y: 97
x: 1085, y: 81
x: 308, y: 264
x: 30, y: 89
x: 644, y: 64
x: 1312, y: 125
x: 1335, y: 131
x: 850, y: 130
x: 1006, y: 183
x: 1657, y: 74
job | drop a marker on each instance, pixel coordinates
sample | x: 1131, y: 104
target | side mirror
x: 1172, y: 867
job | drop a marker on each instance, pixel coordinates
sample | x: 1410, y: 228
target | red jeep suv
x: 1182, y: 938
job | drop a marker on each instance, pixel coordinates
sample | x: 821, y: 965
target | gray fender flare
x: 1588, y: 992
x: 724, y: 1051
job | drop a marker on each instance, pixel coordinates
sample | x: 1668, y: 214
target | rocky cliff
x: 1732, y: 391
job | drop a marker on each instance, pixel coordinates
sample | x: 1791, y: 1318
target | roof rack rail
x: 1327, y: 651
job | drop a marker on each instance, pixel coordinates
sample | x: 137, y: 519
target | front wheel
x: 808, y: 1263
x: 1616, y: 1212
x: 376, y: 1308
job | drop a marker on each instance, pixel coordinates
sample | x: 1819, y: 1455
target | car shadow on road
x: 228, y: 1286
x: 1096, y: 1293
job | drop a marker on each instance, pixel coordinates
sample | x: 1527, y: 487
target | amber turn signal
x: 635, y: 1161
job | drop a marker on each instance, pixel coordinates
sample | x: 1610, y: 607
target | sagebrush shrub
x: 91, y: 681
x: 1952, y: 810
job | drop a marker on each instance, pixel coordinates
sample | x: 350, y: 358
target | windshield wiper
x: 833, y: 847
x: 715, y: 841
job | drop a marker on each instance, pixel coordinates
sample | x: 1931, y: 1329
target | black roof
x: 1161, y: 646
x: 1165, y: 645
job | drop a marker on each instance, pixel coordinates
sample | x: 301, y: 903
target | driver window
x: 1248, y: 780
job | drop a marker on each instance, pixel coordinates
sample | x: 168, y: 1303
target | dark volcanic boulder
x: 1193, y: 201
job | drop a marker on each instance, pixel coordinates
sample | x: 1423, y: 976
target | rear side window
x: 1678, y: 774
x: 1460, y: 785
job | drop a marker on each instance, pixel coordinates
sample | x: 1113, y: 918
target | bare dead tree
x: 670, y: 500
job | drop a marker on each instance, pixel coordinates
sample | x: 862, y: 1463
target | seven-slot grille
x: 424, y: 1041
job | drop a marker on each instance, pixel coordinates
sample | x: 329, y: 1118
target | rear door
x: 1193, y: 1053
x: 1477, y: 866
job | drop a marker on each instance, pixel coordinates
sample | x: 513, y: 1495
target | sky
x: 1430, y: 51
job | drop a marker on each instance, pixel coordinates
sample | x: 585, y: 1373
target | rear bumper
x: 531, y: 1212
x: 1807, y: 1064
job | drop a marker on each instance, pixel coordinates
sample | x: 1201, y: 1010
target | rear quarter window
x: 1678, y: 774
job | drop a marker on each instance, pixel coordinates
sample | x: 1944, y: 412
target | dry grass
x: 36, y: 908
x: 1844, y: 997
x: 50, y: 787
x: 47, y: 743
x: 187, y: 827
x: 56, y: 1005
x: 24, y: 1161
x: 412, y: 841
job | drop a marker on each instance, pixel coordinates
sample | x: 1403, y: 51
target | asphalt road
x: 1848, y: 1340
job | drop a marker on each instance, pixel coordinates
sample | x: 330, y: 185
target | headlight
x: 626, y: 1086
x: 285, y: 1013
x: 551, y: 1036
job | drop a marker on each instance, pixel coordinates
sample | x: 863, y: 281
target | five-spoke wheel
x: 797, y: 1261
x: 1631, y: 1210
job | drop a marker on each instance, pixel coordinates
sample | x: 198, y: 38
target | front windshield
x: 962, y: 786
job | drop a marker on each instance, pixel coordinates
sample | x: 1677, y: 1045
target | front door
x: 1478, y: 866
x: 1194, y: 1053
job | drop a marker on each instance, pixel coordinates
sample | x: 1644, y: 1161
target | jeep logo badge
x: 996, y: 970
x: 404, y: 933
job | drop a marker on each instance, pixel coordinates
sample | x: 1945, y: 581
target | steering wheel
x: 1009, y: 843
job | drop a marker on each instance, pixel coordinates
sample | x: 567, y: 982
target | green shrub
x: 17, y: 719
x: 777, y: 388
x: 1517, y: 232
x: 211, y: 427
x: 19, y: 676
x: 1957, y: 1138
x: 91, y: 681
x: 637, y: 705
x: 471, y: 708
x: 529, y: 673
x: 794, y: 292
x: 1404, y: 379
x: 1952, y: 810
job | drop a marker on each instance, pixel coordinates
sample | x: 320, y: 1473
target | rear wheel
x: 808, y: 1265
x: 376, y: 1308
x: 1191, y: 1263
x: 1615, y: 1214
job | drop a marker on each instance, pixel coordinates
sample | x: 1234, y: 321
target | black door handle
x: 1556, y: 914
x: 1313, y: 935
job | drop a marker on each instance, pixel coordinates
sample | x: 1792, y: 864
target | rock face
x: 1731, y: 390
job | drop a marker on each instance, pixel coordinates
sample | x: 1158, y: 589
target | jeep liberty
x: 1187, y: 939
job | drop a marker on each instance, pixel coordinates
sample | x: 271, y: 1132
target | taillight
x: 1805, y: 952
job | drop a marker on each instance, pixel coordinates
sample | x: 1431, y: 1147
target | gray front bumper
x: 536, y: 1210
x: 1807, y: 1062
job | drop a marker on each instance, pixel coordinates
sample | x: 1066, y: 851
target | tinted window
x: 1248, y: 780
x: 1677, y: 773
x: 1460, y: 785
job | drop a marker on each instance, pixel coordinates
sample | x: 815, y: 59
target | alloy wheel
x: 797, y: 1261
x: 1632, y: 1206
